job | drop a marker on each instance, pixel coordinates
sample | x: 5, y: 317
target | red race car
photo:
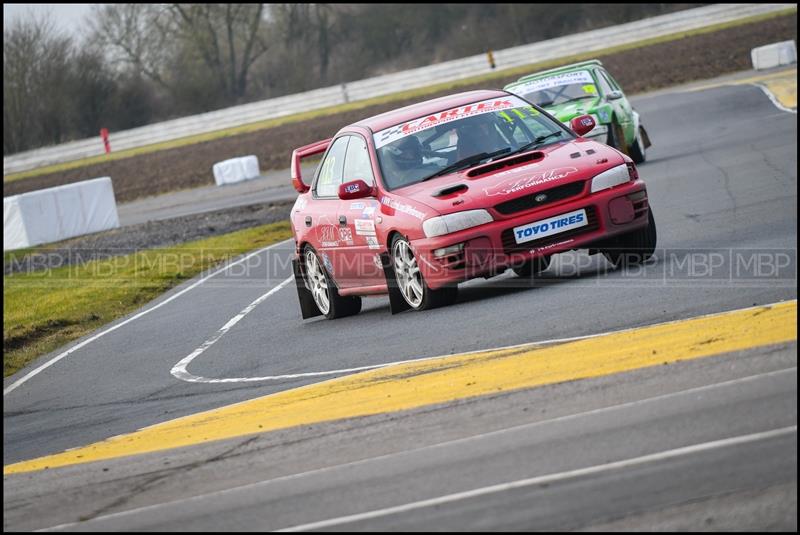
x: 413, y: 201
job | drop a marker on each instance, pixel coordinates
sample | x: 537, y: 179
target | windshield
x: 459, y: 138
x: 558, y: 89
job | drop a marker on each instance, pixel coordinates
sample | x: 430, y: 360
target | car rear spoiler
x: 298, y: 154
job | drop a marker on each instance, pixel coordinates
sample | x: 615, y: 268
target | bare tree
x: 323, y: 22
x: 136, y: 36
x: 228, y: 37
x: 35, y: 67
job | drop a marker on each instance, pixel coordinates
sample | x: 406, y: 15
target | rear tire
x: 634, y: 248
x: 326, y: 296
x: 412, y: 286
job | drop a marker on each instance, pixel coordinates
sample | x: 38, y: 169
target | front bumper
x: 491, y: 248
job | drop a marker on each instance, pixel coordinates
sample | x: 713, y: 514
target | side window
x: 604, y: 84
x: 357, y: 165
x: 613, y: 82
x: 329, y: 176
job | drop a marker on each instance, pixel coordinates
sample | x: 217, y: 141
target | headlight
x: 446, y: 224
x: 612, y: 177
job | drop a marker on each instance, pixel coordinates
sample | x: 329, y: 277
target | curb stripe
x: 413, y: 385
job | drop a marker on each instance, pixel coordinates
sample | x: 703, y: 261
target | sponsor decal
x: 346, y: 235
x: 567, y: 78
x: 356, y: 205
x: 551, y: 246
x: 389, y: 135
x: 400, y: 207
x: 352, y: 188
x: 369, y: 211
x: 550, y: 226
x: 516, y: 170
x: 327, y: 235
x: 365, y: 227
x: 326, y: 172
x: 372, y: 242
x: 521, y: 184
x: 327, y: 263
x: 377, y: 260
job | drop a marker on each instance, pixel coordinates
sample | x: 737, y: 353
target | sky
x: 66, y: 17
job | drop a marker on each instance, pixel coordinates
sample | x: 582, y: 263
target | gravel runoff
x: 150, y: 235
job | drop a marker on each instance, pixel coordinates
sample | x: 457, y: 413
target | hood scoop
x: 450, y: 190
x: 512, y: 161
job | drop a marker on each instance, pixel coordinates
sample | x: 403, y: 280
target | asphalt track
x: 722, y: 182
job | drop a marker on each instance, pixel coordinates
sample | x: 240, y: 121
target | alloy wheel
x: 407, y: 273
x: 318, y: 283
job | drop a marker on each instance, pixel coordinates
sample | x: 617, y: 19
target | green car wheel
x: 638, y: 151
x: 616, y: 138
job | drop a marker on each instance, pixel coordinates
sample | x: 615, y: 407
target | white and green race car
x: 587, y: 88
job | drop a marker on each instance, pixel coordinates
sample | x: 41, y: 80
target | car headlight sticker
x: 447, y: 224
x: 613, y: 177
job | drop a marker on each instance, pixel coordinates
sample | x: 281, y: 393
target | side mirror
x: 582, y: 124
x: 355, y: 189
x: 614, y: 95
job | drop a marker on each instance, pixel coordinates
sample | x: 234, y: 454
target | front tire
x: 412, y: 286
x: 634, y: 248
x: 320, y: 283
x: 616, y: 137
x: 638, y: 150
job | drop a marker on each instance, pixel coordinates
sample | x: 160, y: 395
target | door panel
x: 360, y: 264
x: 324, y: 207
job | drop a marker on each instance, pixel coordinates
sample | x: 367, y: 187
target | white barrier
x: 774, y: 55
x: 551, y: 49
x: 236, y: 170
x: 55, y: 214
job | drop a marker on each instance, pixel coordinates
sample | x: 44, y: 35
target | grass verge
x: 488, y: 79
x: 44, y: 310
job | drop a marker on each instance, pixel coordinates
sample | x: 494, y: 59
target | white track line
x: 252, y: 487
x: 180, y: 369
x: 86, y: 342
x: 548, y: 479
x: 774, y: 99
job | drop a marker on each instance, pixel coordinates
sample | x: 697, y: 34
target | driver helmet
x: 406, y: 153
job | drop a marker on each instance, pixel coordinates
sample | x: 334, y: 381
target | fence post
x: 106, y: 142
